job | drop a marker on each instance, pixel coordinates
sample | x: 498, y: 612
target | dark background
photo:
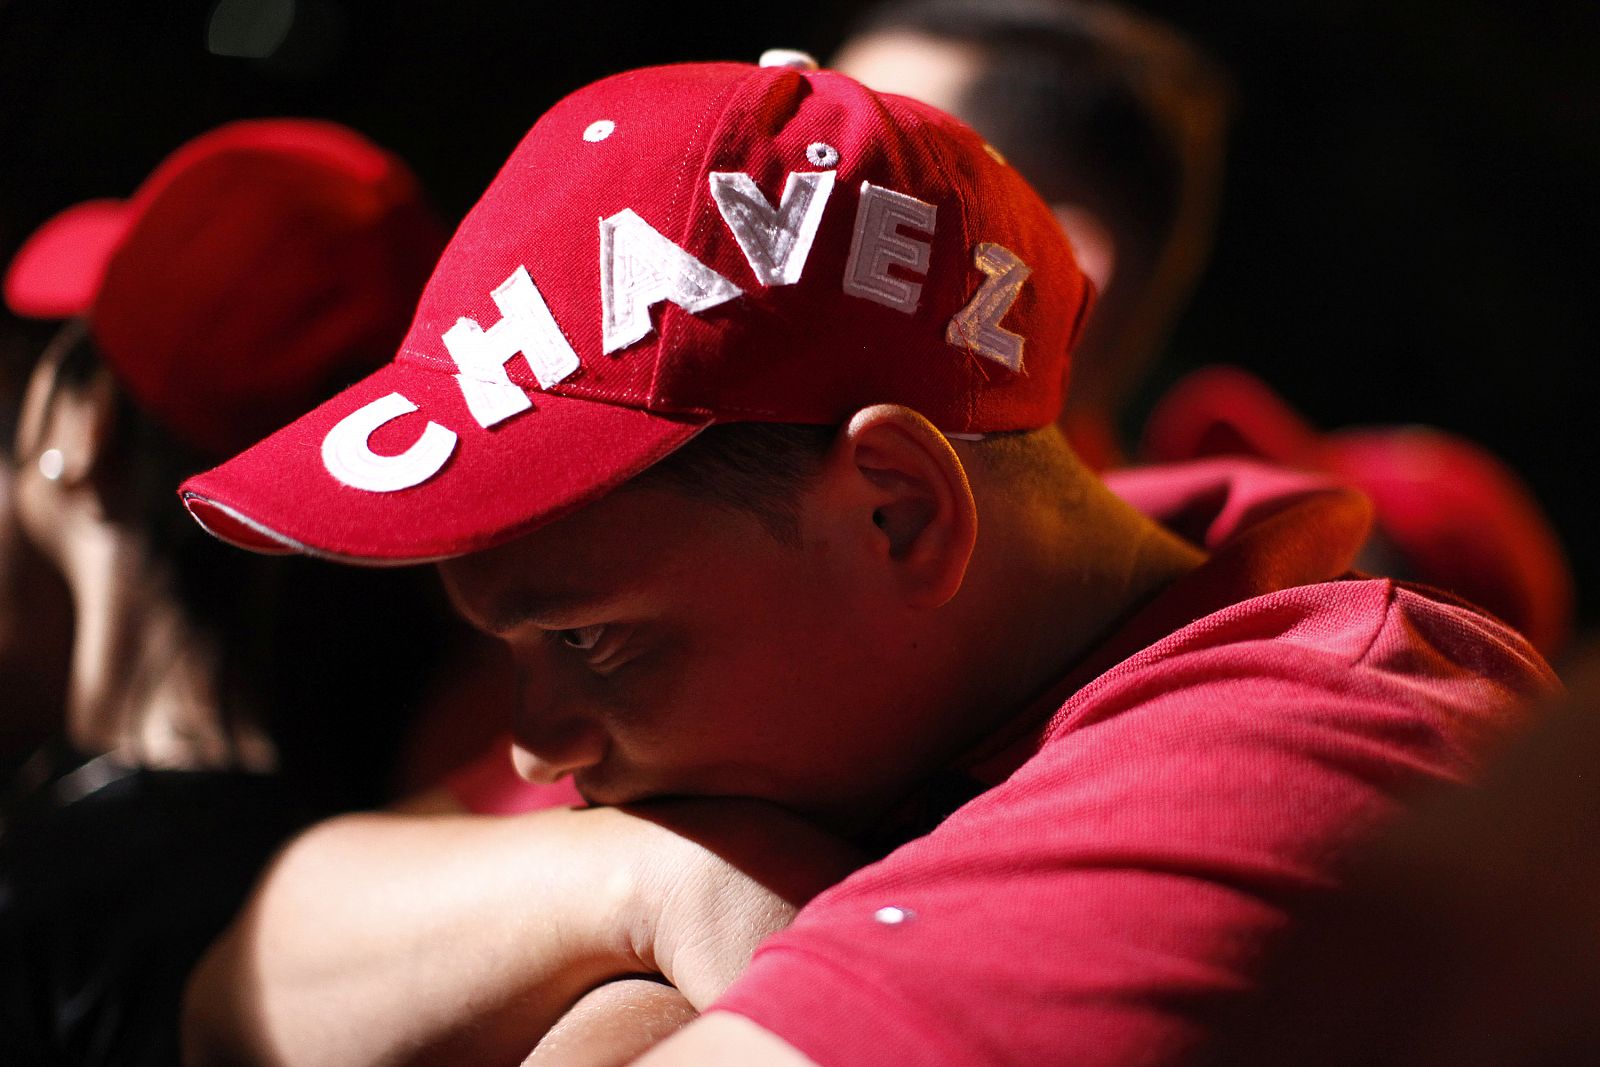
x: 1410, y: 230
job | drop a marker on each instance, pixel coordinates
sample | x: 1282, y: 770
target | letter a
x: 639, y: 268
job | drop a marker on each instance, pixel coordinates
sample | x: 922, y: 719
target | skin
x: 388, y: 938
x: 661, y: 700
x: 142, y: 681
x: 654, y: 666
x: 613, y: 1024
x: 35, y: 632
x: 942, y: 72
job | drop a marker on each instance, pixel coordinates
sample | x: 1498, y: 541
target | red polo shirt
x: 1143, y: 844
x: 1144, y: 830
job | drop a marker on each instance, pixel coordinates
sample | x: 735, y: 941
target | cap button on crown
x: 788, y: 57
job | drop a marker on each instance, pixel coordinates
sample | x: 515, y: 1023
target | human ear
x: 64, y: 428
x: 908, y: 499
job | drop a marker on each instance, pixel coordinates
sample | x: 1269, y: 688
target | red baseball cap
x: 667, y: 249
x: 1458, y: 517
x: 260, y: 267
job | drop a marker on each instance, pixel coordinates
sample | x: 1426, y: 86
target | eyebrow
x: 521, y: 609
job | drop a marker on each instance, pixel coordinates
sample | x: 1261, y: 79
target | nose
x: 547, y: 756
x: 554, y: 737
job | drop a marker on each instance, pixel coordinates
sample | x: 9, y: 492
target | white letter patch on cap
x: 775, y: 243
x: 348, y: 457
x: 878, y: 242
x: 639, y: 268
x: 527, y: 327
x: 977, y: 326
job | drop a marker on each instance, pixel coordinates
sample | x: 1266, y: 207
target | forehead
x: 932, y: 69
x: 633, y: 544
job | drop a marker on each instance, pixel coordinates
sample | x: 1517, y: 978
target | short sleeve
x: 1119, y: 891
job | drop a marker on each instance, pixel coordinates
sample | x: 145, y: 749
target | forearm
x: 613, y: 1024
x: 391, y: 939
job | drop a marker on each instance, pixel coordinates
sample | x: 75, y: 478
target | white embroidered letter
x: 775, y: 243
x: 639, y: 268
x: 977, y: 326
x: 482, y: 354
x: 878, y: 242
x: 350, y: 459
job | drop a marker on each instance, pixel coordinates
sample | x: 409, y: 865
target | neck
x: 145, y: 682
x: 1060, y: 576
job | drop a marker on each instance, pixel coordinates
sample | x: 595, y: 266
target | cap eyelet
x: 599, y: 130
x: 822, y: 154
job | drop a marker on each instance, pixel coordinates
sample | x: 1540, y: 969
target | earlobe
x: 913, y: 500
x: 66, y: 429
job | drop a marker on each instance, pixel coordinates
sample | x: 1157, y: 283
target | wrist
x: 615, y: 892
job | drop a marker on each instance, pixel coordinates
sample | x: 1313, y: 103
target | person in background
x: 1448, y: 513
x: 1120, y: 121
x: 213, y: 703
x: 35, y: 622
x: 1117, y: 119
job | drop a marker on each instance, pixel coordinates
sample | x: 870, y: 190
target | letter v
x: 775, y: 242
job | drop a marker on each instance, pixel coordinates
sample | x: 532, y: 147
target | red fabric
x: 1448, y: 512
x: 560, y: 452
x: 57, y: 271
x: 1141, y: 850
x: 801, y: 353
x: 260, y: 267
x: 1462, y: 520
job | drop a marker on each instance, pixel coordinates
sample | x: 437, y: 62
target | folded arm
x: 388, y: 938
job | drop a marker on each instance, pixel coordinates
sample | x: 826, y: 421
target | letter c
x: 350, y: 459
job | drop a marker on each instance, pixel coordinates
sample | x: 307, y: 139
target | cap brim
x: 279, y: 496
x: 1225, y: 411
x: 58, y: 270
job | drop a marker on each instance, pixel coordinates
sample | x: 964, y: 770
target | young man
x: 730, y: 408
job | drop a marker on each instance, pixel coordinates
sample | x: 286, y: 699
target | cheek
x: 29, y: 514
x: 703, y: 702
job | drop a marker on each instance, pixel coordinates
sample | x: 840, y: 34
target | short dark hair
x: 759, y: 468
x: 762, y: 469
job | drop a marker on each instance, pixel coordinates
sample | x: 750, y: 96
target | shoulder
x: 1156, y: 842
x: 1349, y: 654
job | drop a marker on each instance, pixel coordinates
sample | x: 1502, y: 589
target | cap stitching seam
x: 708, y: 147
x: 926, y: 132
x: 722, y: 107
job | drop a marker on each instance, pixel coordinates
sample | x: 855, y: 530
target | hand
x: 612, y: 1025
x: 714, y: 878
x: 440, y: 939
